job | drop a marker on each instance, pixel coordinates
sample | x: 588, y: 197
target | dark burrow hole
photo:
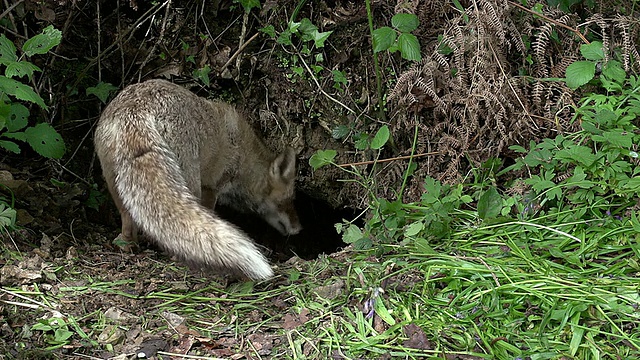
x: 318, y: 235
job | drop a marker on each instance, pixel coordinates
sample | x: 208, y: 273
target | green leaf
x: 489, y: 204
x: 42, y: 43
x: 632, y: 183
x: 352, y: 234
x: 307, y: 29
x: 7, y: 215
x: 15, y: 135
x: 578, y: 333
x: 339, y: 79
x: 17, y: 119
x: 7, y: 50
x: 340, y: 132
x: 10, y: 146
x: 102, y: 91
x: 322, y: 158
x: 45, y: 140
x: 361, y: 142
x: 5, y: 113
x: 62, y: 335
x: 613, y: 70
x: 269, y: 30
x: 580, y: 73
x: 20, y: 69
x: 383, y: 38
x: 339, y: 76
x: 320, y: 37
x: 405, y: 22
x: 20, y: 91
x: 203, y: 74
x: 581, y: 154
x: 284, y: 38
x: 592, y: 51
x: 605, y: 117
x: 414, y: 229
x: 619, y: 137
x: 409, y: 47
x: 248, y: 4
x: 382, y: 311
x: 381, y: 138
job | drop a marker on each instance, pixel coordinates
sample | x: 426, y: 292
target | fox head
x: 277, y: 206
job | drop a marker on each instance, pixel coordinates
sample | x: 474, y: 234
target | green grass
x: 495, y: 292
x: 510, y: 290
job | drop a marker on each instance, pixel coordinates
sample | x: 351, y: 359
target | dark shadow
x: 318, y: 235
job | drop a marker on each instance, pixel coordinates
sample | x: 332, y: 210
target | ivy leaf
x: 101, y: 91
x: 269, y: 30
x: 45, y: 140
x: 383, y: 38
x: 284, y: 38
x: 405, y: 22
x: 592, y: 51
x: 20, y: 91
x: 580, y: 73
x: 42, y: 43
x: 248, y: 4
x: 307, y: 29
x: 320, y: 37
x: 322, y: 158
x: 409, y: 47
x: 203, y: 74
x: 381, y: 138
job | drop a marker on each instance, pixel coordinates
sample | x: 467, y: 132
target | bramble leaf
x: 580, y: 73
x: 405, y: 22
x: 383, y: 38
x: 592, y: 51
x: 409, y: 47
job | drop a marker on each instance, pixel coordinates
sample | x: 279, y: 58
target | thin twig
x: 390, y: 159
x: 240, y: 50
x: 555, y: 22
x: 320, y: 87
x: 155, y: 44
x: 11, y: 7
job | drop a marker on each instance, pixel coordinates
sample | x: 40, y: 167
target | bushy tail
x: 154, y: 191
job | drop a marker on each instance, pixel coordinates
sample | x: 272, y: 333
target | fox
x: 168, y: 156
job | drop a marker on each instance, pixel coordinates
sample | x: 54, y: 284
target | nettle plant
x: 597, y: 168
x: 13, y: 90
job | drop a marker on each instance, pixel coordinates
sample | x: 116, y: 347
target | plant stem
x: 375, y: 64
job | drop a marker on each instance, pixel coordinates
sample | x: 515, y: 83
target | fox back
x: 168, y: 156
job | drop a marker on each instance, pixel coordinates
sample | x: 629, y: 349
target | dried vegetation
x: 484, y: 82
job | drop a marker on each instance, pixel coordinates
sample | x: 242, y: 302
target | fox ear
x: 284, y: 166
